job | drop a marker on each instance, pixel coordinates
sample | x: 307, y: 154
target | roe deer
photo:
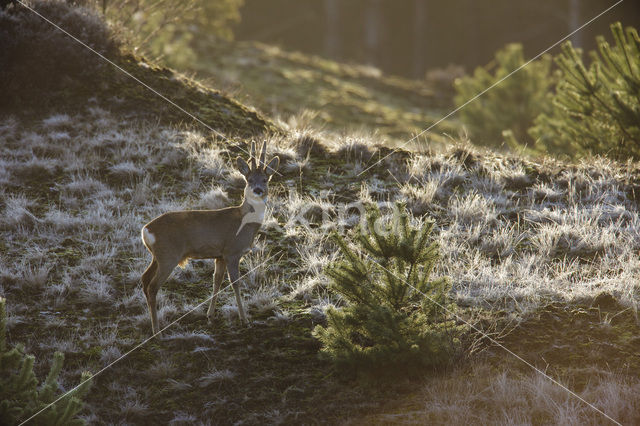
x: 224, y: 235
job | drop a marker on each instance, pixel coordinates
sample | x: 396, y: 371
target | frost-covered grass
x: 513, y: 234
x: 510, y: 228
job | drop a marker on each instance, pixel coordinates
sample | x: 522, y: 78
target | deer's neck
x: 254, y: 206
x: 252, y: 209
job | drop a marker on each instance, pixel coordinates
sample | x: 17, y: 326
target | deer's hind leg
x: 162, y: 271
x: 218, y: 276
x: 148, y: 274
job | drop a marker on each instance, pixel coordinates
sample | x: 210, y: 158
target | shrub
x: 20, y: 395
x: 38, y: 61
x: 393, y: 321
x: 597, y: 110
x: 511, y: 105
x: 175, y: 31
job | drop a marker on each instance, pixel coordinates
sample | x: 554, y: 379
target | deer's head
x: 257, y: 173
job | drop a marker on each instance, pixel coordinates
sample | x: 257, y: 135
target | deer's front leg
x: 218, y: 275
x: 234, y: 277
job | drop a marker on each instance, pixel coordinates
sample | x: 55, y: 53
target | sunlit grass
x: 513, y: 233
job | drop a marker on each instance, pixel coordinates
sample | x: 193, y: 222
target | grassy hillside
x: 339, y: 97
x: 123, y: 95
x: 45, y: 70
x: 515, y: 236
x: 542, y: 255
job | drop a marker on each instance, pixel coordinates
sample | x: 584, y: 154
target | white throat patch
x: 259, y: 205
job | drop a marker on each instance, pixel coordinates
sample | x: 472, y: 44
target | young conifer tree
x: 597, y: 109
x: 518, y: 95
x: 395, y: 319
x: 20, y: 396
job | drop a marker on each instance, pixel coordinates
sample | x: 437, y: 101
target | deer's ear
x: 272, y: 166
x: 243, y: 167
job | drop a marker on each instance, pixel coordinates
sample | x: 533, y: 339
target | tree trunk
x: 574, y: 22
x: 372, y: 29
x: 420, y: 38
x: 332, y: 42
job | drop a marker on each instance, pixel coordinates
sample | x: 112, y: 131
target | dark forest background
x: 407, y: 37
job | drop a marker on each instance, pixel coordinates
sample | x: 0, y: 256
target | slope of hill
x: 122, y: 94
x: 543, y: 255
x: 340, y: 97
x: 43, y: 69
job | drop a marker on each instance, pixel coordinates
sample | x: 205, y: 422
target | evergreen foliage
x: 20, y: 395
x: 394, y: 318
x: 511, y: 105
x: 172, y: 30
x: 597, y: 110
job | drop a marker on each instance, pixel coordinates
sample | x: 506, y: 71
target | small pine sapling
x: 506, y: 111
x: 20, y: 396
x: 596, y: 110
x: 394, y: 320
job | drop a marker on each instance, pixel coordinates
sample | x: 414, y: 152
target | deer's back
x: 195, y: 233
